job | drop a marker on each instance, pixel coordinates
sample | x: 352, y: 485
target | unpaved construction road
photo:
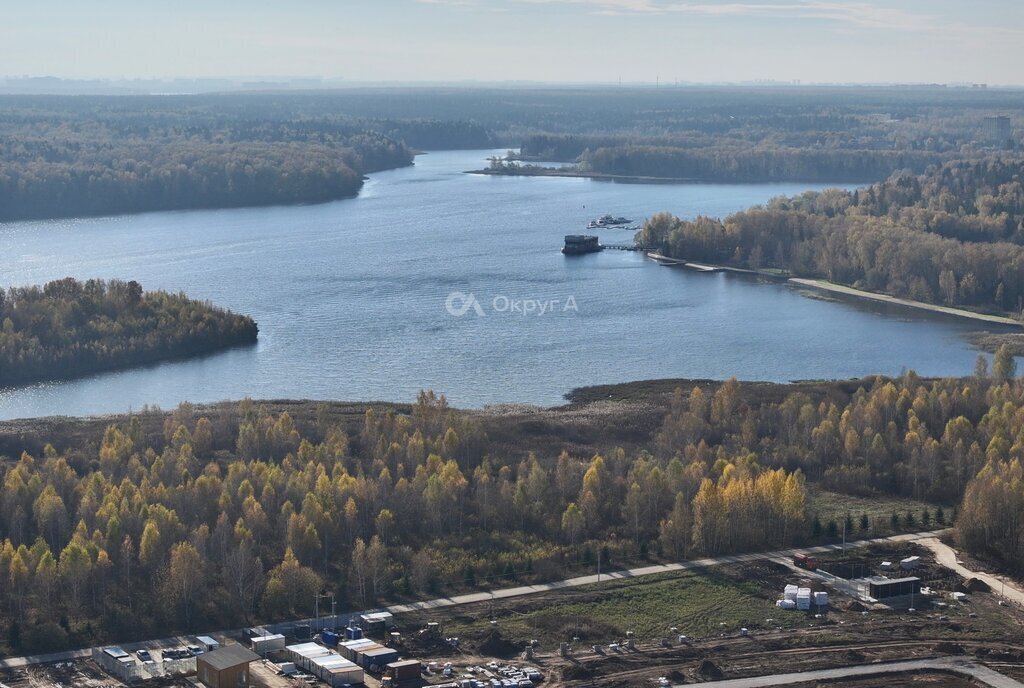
x: 946, y: 555
x: 963, y: 667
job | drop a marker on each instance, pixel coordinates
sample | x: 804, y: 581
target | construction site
x: 858, y: 608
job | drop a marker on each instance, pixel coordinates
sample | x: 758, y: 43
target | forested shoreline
x: 68, y: 328
x: 769, y: 136
x: 755, y: 165
x: 94, y: 155
x: 112, y: 530
x: 953, y: 236
x: 712, y: 165
x: 70, y: 158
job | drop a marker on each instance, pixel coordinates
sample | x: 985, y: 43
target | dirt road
x: 962, y: 667
x: 946, y: 556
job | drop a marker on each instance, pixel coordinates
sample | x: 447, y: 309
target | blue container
x: 330, y: 638
x: 353, y: 633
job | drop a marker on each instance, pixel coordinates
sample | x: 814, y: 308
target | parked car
x: 144, y: 656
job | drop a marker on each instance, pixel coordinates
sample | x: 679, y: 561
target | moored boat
x: 608, y: 221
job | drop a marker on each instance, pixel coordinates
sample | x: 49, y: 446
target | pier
x: 699, y: 267
x: 624, y: 247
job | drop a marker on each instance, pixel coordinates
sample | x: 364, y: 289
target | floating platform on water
x: 579, y: 244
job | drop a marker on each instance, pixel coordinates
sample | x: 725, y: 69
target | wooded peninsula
x: 102, y: 156
x: 953, y: 236
x: 68, y: 328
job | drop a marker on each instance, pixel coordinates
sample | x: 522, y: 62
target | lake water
x: 351, y: 297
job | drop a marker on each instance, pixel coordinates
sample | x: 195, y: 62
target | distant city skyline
x: 558, y: 41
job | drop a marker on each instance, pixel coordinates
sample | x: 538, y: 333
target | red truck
x: 805, y: 561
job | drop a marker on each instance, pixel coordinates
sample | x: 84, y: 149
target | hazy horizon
x: 590, y: 42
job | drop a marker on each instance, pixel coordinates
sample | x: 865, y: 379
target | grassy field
x: 700, y: 604
x: 708, y: 604
x: 834, y: 506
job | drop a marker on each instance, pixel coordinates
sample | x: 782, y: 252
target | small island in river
x: 68, y: 328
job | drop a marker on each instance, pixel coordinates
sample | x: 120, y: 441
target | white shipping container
x: 262, y: 644
x: 821, y: 598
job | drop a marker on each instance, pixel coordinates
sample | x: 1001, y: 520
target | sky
x: 813, y: 41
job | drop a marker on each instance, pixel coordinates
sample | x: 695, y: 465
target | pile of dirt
x: 853, y: 606
x: 709, y: 669
x: 948, y: 648
x: 974, y: 585
x: 427, y: 645
x: 496, y: 645
x: 854, y: 656
x: 577, y: 672
x: 676, y: 676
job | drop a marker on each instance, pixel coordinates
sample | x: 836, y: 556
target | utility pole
x: 316, y: 608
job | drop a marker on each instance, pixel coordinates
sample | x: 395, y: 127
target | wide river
x: 352, y: 297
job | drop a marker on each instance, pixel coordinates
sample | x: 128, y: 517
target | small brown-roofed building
x: 225, y: 667
x: 407, y: 670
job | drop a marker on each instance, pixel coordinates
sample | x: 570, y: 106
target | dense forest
x: 221, y: 517
x: 809, y: 135
x: 769, y: 164
x: 88, y: 155
x: 723, y: 164
x: 953, y: 236
x: 935, y: 119
x: 68, y: 328
x: 70, y: 157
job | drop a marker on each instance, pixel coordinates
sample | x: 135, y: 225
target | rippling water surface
x: 351, y: 297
